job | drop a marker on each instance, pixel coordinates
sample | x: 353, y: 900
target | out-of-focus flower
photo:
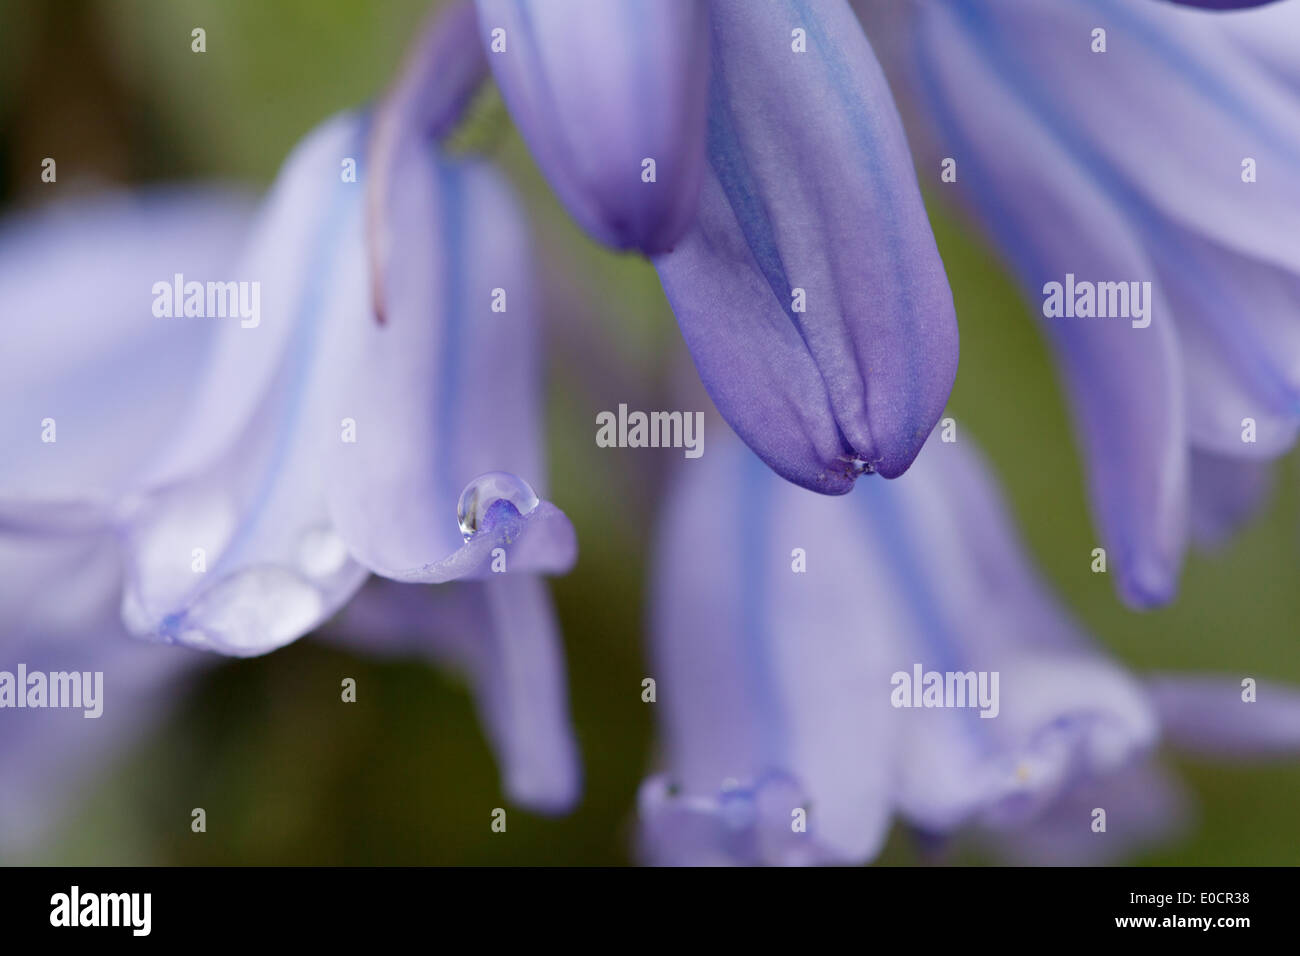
x: 779, y: 202
x: 257, y: 468
x: 60, y: 613
x: 782, y: 622
x: 76, y: 280
x: 1128, y: 143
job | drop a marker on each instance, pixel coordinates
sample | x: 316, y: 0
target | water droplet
x: 485, y: 491
x: 321, y: 553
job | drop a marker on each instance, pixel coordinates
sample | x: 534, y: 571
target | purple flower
x: 60, y: 608
x: 1155, y: 149
x: 755, y: 152
x: 76, y: 282
x: 809, y: 288
x: 255, y: 469
x: 323, y: 446
x: 789, y: 630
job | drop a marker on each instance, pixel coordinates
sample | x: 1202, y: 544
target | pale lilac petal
x: 810, y: 187
x: 1145, y: 807
x: 597, y: 88
x: 250, y: 466
x: 760, y: 670
x: 84, y: 349
x: 448, y: 388
x: 1207, y: 716
x: 60, y: 613
x: 977, y: 604
x: 1267, y: 37
x: 1190, y: 104
x: 740, y: 826
x: 1125, y: 383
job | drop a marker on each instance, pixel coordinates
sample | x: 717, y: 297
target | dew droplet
x: 485, y: 491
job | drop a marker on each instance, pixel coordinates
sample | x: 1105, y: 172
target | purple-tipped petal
x: 1208, y: 716
x: 250, y: 466
x: 599, y: 88
x: 1125, y: 383
x: 502, y: 633
x: 448, y: 388
x: 810, y: 290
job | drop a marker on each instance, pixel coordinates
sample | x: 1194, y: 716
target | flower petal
x: 810, y: 202
x: 1125, y: 383
x: 59, y: 606
x: 1144, y: 804
x: 1206, y: 715
x: 598, y: 88
x: 250, y: 485
x: 1064, y: 711
x: 86, y: 363
x: 762, y: 671
x: 447, y: 388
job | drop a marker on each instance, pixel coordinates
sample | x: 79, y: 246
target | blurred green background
x: 287, y: 775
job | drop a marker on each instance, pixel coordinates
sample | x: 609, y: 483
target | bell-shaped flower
x: 1138, y: 165
x: 258, y: 462
x: 823, y: 665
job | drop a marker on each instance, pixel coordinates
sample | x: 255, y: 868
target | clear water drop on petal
x: 485, y: 491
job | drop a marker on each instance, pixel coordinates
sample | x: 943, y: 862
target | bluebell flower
x: 76, y: 279
x: 255, y: 470
x: 610, y: 98
x: 809, y: 288
x: 781, y: 624
x: 753, y: 150
x: 60, y: 612
x: 1132, y: 142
